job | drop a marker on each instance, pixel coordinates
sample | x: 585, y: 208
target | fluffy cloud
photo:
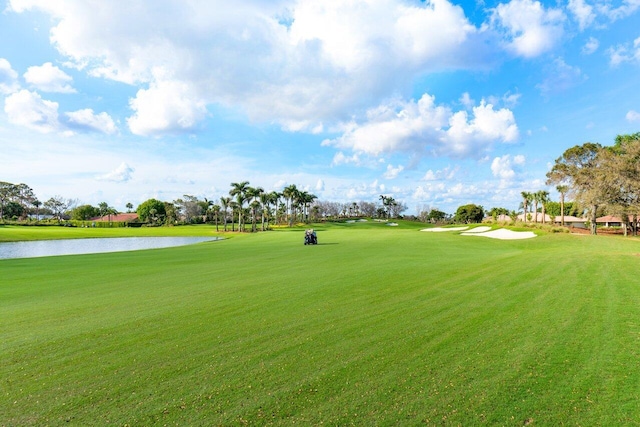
x: 583, y: 12
x: 422, y: 128
x: 8, y: 78
x: 625, y: 53
x: 529, y: 28
x: 392, y: 172
x: 299, y: 64
x: 633, y: 116
x: 446, y: 173
x: 86, y: 119
x: 505, y: 167
x: 49, y: 78
x: 167, y: 106
x: 28, y: 109
x: 122, y: 173
x: 591, y: 46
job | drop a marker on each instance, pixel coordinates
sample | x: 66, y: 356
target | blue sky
x: 437, y: 104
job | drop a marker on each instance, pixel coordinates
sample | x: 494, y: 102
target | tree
x: 58, y: 206
x: 225, y: 202
x: 129, y: 207
x: 526, y: 198
x: 85, y: 212
x: 468, y: 214
x: 7, y: 193
x: 290, y: 193
x: 215, y: 209
x: 151, y: 210
x: 239, y: 190
x: 543, y: 198
x: 579, y: 167
x: 435, y: 215
x: 562, y: 189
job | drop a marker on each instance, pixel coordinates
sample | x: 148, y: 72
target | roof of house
x: 608, y: 218
x: 120, y: 217
x: 570, y: 218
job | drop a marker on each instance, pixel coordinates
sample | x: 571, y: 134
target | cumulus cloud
x: 167, y: 106
x: 528, y: 27
x: 590, y: 46
x: 122, y: 173
x: 505, y: 167
x: 299, y: 65
x: 625, y: 53
x: 560, y: 77
x: 320, y: 185
x: 422, y: 128
x: 86, y: 119
x: 28, y: 109
x: 446, y: 173
x: 633, y: 116
x: 392, y: 172
x: 8, y: 78
x: 49, y: 78
x: 582, y: 12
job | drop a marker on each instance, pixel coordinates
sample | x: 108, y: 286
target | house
x: 535, y: 217
x: 571, y: 221
x: 609, y: 221
x: 119, y: 217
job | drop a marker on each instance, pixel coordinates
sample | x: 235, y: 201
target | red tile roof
x: 121, y: 217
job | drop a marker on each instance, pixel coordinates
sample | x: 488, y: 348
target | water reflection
x: 43, y: 248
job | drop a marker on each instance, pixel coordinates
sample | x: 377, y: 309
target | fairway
x: 375, y: 325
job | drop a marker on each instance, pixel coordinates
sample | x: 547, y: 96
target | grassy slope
x: 376, y: 325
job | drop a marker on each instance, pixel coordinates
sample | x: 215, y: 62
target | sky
x: 434, y: 103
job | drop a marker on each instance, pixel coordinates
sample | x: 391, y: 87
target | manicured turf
x: 376, y: 325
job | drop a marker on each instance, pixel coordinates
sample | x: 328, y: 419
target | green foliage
x: 469, y: 214
x: 152, y: 210
x: 85, y: 212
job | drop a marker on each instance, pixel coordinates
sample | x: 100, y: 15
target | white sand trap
x: 480, y: 229
x: 504, y: 234
x: 441, y: 229
x: 392, y: 224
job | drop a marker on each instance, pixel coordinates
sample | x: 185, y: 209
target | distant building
x: 120, y: 217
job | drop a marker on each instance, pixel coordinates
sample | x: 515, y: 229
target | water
x: 43, y: 248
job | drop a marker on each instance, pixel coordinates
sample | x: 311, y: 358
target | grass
x: 376, y: 325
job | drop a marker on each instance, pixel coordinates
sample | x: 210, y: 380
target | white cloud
x: 49, y: 78
x: 633, y: 116
x: 590, y: 46
x: 561, y: 77
x: 28, y: 109
x: 627, y: 8
x: 167, y: 106
x: 86, y: 119
x: 530, y: 29
x: 422, y: 128
x: 505, y: 167
x: 583, y: 12
x: 301, y: 65
x: 341, y: 159
x: 392, y: 172
x: 8, y: 78
x: 320, y: 185
x: 122, y: 173
x: 445, y: 173
x: 625, y: 53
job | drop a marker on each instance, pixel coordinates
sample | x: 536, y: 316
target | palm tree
x: 543, y: 198
x: 290, y: 193
x: 239, y: 189
x: 562, y: 189
x: 384, y: 201
x: 526, y: 198
x: 253, y: 196
x: 215, y: 209
x: 233, y: 205
x: 265, y: 201
x: 225, y: 202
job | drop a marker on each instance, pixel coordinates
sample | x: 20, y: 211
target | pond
x: 43, y: 248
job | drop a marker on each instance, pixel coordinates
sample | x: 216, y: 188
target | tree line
x: 245, y: 207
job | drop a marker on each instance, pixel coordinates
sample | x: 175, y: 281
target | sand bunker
x: 440, y: 229
x: 502, y: 234
x: 480, y: 229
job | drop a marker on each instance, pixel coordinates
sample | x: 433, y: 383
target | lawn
x: 376, y: 325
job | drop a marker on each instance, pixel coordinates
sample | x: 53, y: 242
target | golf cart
x: 310, y: 237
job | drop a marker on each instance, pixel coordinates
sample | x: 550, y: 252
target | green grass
x: 377, y: 325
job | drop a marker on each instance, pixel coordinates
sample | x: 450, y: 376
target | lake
x: 41, y: 248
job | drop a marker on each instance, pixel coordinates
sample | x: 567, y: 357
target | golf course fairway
x: 375, y: 325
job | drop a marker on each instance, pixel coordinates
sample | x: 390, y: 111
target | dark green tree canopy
x: 151, y: 210
x: 470, y: 213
